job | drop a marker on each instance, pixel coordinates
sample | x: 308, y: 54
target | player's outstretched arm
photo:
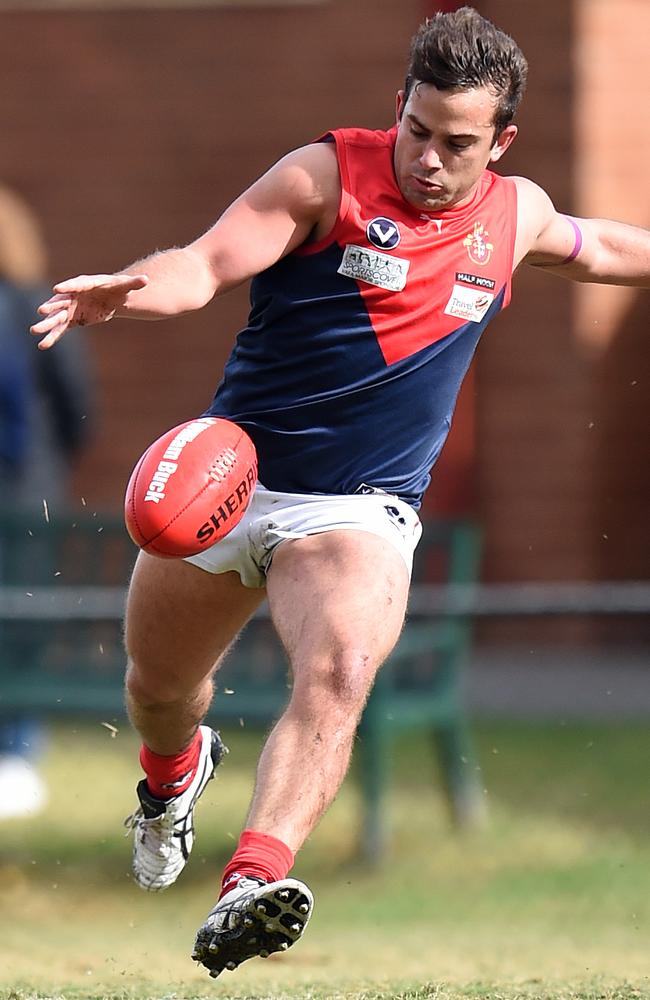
x: 268, y: 221
x: 165, y: 284
x: 596, y: 250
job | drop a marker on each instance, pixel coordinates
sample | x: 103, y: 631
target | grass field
x: 550, y: 901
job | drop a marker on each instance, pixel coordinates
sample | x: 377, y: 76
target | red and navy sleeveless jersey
x: 356, y: 345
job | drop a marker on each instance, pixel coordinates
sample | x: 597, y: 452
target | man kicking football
x: 378, y: 258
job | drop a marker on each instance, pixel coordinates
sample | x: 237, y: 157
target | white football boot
x: 255, y: 918
x: 164, y: 828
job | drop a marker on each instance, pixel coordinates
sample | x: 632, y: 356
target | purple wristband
x: 577, y: 246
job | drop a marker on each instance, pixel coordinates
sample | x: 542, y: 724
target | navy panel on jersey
x: 356, y: 345
x: 308, y: 381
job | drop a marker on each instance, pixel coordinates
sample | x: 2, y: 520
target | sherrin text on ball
x: 190, y: 487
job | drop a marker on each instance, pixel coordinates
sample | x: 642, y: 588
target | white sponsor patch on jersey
x: 469, y: 303
x: 374, y: 267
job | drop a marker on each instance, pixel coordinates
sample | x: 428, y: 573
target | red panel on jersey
x: 421, y: 275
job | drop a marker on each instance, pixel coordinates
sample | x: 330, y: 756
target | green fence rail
x: 62, y: 590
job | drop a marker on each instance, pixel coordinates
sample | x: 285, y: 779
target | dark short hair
x: 461, y: 51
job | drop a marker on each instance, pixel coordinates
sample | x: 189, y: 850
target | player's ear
x: 399, y: 106
x: 501, y: 143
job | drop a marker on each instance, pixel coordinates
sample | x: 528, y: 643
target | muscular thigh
x: 338, y: 597
x: 180, y: 619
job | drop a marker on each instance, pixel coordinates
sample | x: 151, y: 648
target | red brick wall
x: 563, y: 436
x: 133, y: 130
x: 612, y: 323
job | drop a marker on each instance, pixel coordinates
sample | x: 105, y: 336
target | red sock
x: 169, y: 776
x: 260, y: 856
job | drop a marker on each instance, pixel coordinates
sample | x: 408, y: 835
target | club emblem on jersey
x: 383, y: 233
x: 479, y: 249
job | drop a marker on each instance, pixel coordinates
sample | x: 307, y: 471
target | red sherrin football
x: 190, y: 488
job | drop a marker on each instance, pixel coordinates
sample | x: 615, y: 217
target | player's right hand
x: 82, y: 301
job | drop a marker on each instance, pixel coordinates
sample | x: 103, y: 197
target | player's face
x: 445, y: 140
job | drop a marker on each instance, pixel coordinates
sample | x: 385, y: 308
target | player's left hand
x: 83, y: 301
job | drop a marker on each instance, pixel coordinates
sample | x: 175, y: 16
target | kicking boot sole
x: 271, y: 922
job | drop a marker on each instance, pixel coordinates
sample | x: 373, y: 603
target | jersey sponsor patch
x: 373, y: 267
x: 475, y: 279
x: 470, y: 304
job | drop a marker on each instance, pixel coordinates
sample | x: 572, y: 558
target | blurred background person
x: 44, y: 403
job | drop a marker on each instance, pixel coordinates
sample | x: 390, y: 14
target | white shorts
x: 273, y: 517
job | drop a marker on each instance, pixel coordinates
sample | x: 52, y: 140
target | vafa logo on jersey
x: 383, y: 233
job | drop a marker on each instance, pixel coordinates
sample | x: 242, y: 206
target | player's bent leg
x: 180, y: 620
x: 338, y: 601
